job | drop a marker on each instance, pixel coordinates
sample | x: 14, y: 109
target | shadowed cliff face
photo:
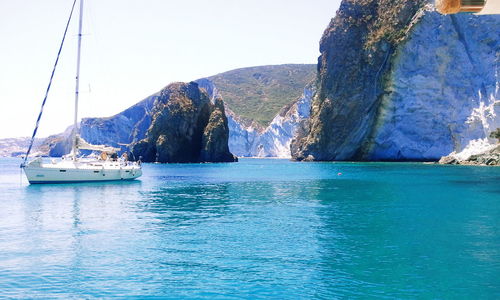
x: 398, y: 81
x: 215, y: 136
x: 185, y: 127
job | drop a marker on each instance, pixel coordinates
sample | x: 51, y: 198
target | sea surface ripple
x: 260, y: 228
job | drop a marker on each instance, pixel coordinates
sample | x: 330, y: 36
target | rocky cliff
x: 119, y: 131
x: 248, y: 138
x: 274, y: 141
x: 398, y: 81
x: 266, y: 86
x: 243, y: 134
x: 186, y: 126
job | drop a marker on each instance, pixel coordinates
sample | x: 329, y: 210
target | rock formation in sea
x: 186, y: 126
x: 399, y: 81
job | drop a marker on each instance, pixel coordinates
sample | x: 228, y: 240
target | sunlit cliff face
x: 433, y: 92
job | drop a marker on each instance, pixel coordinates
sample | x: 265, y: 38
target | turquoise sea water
x: 255, y: 229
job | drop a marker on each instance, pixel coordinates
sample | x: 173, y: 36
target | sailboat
x: 73, y: 167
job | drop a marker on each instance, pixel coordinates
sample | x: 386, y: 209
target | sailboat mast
x: 75, y: 128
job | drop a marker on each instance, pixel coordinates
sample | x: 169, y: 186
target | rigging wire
x: 48, y: 88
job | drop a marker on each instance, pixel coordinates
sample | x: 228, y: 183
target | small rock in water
x: 448, y: 160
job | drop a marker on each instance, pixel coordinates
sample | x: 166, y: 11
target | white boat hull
x: 75, y: 171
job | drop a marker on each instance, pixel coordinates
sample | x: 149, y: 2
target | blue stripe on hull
x: 79, y: 181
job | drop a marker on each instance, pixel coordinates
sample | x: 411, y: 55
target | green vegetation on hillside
x: 258, y: 93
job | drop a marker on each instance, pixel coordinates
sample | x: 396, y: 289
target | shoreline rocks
x: 487, y: 158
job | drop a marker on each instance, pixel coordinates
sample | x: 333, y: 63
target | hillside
x: 254, y: 96
x: 16, y: 146
x: 259, y: 93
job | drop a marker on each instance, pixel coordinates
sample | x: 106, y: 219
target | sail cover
x: 84, y: 145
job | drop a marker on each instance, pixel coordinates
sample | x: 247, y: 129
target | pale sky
x: 133, y: 48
